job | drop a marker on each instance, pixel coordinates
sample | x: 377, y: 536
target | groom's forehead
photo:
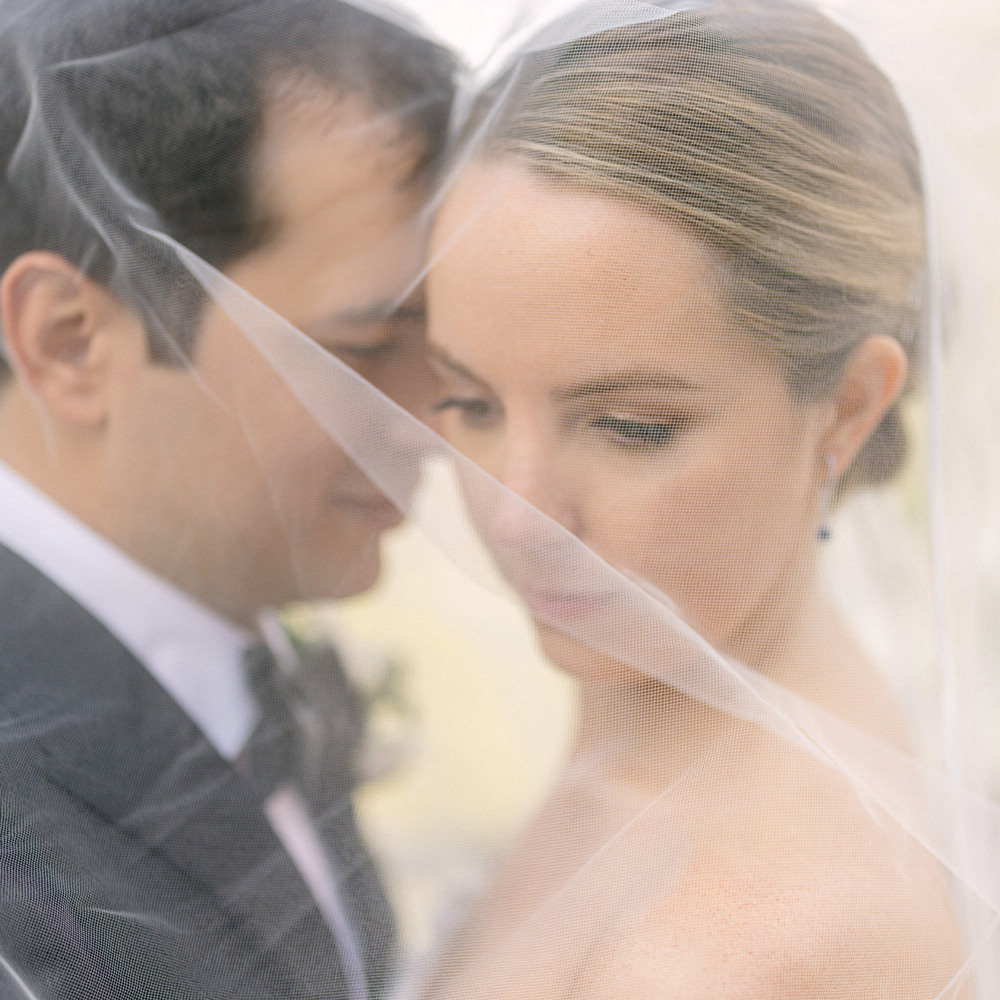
x: 332, y: 179
x: 316, y: 149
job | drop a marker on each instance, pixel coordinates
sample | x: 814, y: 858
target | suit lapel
x: 112, y: 737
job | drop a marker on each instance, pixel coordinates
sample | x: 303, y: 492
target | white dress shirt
x: 194, y: 654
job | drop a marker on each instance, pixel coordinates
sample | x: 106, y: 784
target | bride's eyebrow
x: 628, y: 380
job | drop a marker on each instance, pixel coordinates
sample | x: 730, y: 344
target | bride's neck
x: 641, y: 729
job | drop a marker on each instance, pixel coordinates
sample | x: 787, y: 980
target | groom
x: 165, y: 828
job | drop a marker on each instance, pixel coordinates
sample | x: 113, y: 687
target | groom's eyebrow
x: 338, y: 329
x: 380, y: 312
x: 442, y: 357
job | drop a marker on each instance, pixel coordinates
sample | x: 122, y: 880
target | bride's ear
x: 870, y: 383
x: 59, y: 338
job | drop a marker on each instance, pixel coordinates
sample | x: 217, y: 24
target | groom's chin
x: 345, y: 574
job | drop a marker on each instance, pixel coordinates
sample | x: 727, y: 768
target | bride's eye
x: 628, y: 433
x: 472, y: 411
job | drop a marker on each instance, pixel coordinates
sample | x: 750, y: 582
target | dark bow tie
x: 310, y: 724
x: 273, y: 752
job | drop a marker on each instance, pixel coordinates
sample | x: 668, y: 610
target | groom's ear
x: 63, y: 334
x: 871, y: 382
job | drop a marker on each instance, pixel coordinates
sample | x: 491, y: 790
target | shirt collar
x: 194, y: 653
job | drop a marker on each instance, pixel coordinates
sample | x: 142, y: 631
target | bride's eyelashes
x: 622, y: 431
x: 631, y: 434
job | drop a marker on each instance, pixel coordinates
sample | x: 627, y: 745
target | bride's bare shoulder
x: 750, y: 941
x: 790, y: 889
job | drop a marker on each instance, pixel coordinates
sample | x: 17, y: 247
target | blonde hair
x: 764, y: 130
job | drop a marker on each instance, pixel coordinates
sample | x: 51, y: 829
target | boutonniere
x: 375, y: 684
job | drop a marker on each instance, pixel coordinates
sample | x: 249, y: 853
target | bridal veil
x: 611, y: 744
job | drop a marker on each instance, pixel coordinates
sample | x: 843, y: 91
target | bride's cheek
x: 675, y: 528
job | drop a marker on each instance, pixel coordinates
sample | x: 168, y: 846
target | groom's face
x: 231, y: 488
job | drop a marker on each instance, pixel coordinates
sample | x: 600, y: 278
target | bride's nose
x: 533, y: 469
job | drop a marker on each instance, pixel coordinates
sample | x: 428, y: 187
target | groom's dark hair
x: 152, y: 109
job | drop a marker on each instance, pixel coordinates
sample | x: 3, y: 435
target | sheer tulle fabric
x: 609, y: 751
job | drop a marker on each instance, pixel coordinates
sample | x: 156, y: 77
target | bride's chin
x: 582, y: 661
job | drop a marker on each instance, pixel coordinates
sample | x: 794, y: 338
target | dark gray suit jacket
x: 134, y: 861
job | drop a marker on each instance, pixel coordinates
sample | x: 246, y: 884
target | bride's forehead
x: 506, y: 201
x: 511, y: 239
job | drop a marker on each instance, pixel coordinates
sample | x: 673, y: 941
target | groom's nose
x: 407, y: 379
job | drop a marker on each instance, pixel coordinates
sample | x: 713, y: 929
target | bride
x: 677, y: 300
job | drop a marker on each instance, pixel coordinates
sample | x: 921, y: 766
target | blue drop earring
x: 823, y: 532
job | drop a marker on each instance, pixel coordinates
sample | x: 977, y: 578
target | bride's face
x: 588, y: 365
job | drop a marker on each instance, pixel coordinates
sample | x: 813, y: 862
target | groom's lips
x: 377, y: 510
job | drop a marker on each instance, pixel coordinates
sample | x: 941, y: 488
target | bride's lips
x: 549, y: 594
x: 562, y: 605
